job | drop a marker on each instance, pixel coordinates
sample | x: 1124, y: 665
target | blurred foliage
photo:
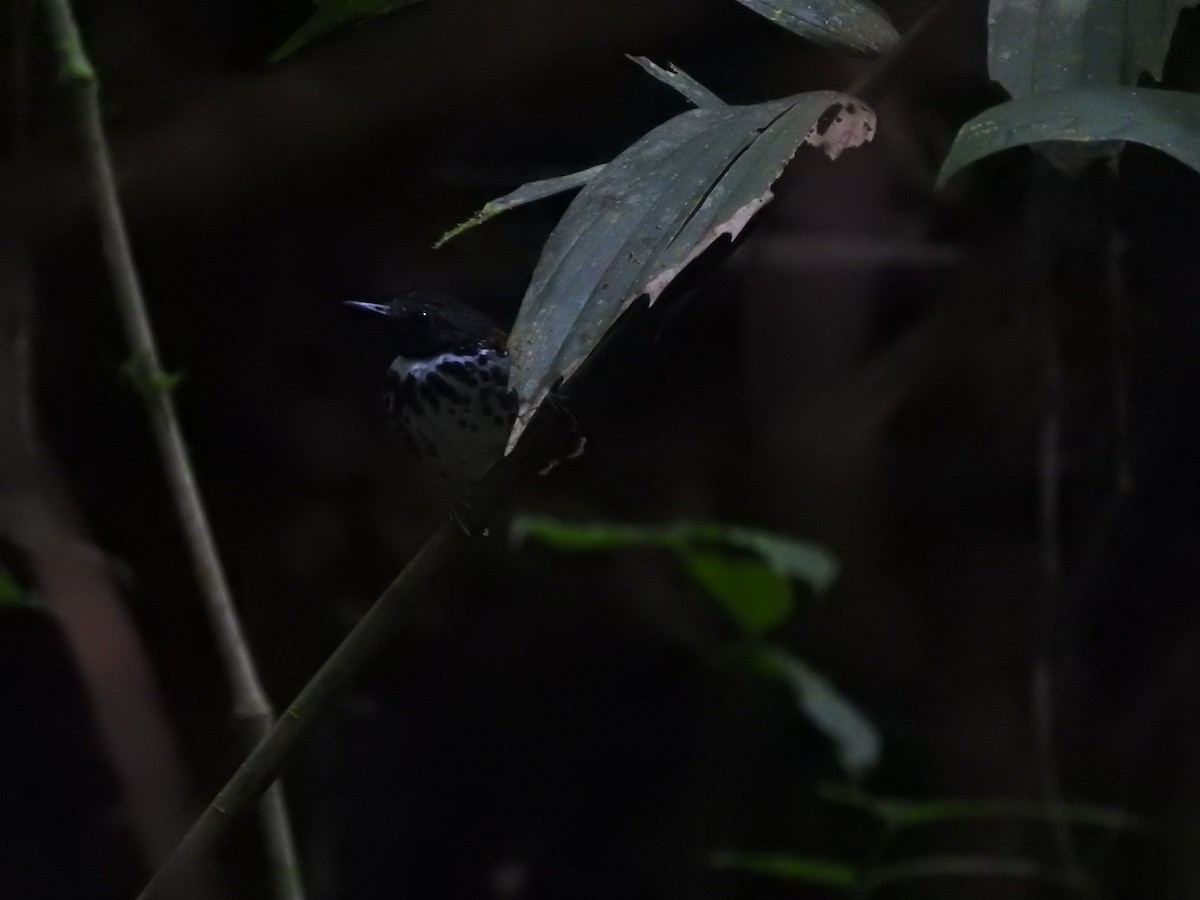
x: 855, y: 738
x: 853, y: 26
x: 332, y: 15
x: 748, y: 572
x: 895, y: 816
x: 11, y: 591
x: 897, y: 813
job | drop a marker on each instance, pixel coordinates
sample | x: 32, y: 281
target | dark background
x: 867, y: 369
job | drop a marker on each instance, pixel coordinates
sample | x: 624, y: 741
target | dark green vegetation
x: 921, y: 322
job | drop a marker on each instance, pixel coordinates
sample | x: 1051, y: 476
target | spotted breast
x: 446, y: 396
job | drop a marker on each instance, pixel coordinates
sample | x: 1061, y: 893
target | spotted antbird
x: 446, y: 398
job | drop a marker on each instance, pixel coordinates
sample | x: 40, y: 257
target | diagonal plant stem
x: 251, y: 706
x: 402, y: 599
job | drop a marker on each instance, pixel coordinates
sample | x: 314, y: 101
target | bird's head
x: 424, y: 324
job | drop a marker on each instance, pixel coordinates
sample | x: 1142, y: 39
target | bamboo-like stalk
x: 251, y: 706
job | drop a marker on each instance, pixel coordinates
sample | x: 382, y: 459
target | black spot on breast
x: 498, y: 419
x: 429, y: 396
x: 460, y: 372
x: 408, y: 390
x: 409, y: 444
x: 508, y: 401
x: 442, y: 387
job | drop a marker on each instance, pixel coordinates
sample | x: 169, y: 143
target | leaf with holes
x: 650, y: 212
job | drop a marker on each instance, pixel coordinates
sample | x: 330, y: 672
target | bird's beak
x: 381, y: 309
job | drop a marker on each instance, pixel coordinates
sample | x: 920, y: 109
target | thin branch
x: 251, y: 705
x: 1114, y: 286
x: 400, y: 602
x: 1049, y: 212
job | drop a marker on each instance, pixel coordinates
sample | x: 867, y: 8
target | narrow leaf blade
x: 1165, y: 120
x: 530, y: 192
x: 854, y: 26
x: 856, y: 740
x: 791, y: 867
x: 676, y: 78
x: 898, y: 812
x: 802, y: 560
x: 581, y: 536
x: 755, y: 597
x: 331, y: 15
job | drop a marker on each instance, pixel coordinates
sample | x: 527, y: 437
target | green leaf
x: 333, y: 14
x: 11, y: 592
x: 1151, y: 25
x: 583, y: 535
x: 855, y: 26
x: 791, y: 867
x: 804, y: 561
x: 810, y: 563
x: 526, y: 193
x: 755, y: 596
x: 900, y: 813
x: 856, y: 739
x: 1035, y: 46
x: 747, y: 571
x: 1165, y: 120
x: 989, y: 867
x: 652, y: 210
x: 1047, y: 45
x: 676, y: 78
